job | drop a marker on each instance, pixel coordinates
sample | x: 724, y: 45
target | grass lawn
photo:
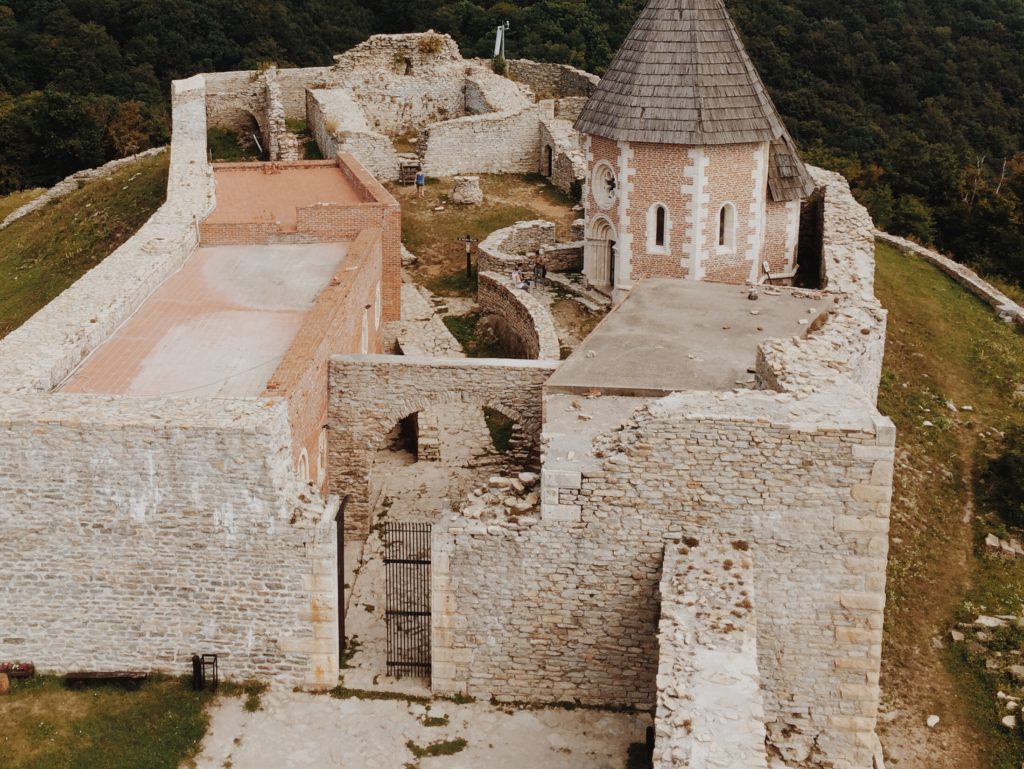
x: 45, y: 252
x: 44, y: 725
x: 432, y: 235
x: 11, y: 203
x: 944, y: 346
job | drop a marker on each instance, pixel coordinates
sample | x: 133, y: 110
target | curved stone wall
x: 505, y: 249
x: 527, y: 329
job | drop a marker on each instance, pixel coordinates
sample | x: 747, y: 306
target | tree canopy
x: 917, y: 102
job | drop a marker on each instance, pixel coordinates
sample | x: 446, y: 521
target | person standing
x: 421, y: 183
x: 539, y: 271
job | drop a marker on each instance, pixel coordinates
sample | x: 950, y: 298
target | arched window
x: 364, y: 341
x: 727, y: 228
x: 303, y: 467
x: 377, y: 303
x: 657, y: 228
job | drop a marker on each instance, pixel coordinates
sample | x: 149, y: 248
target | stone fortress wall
x: 800, y: 472
x: 164, y: 526
x: 524, y: 325
x: 465, y: 118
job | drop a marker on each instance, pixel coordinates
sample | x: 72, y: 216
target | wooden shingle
x: 683, y: 76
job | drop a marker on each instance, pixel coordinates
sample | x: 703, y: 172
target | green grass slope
x: 945, y: 347
x: 45, y: 252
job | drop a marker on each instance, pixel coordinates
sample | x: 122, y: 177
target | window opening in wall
x: 659, y: 226
x: 550, y: 155
x: 727, y: 227
x: 377, y: 307
x: 303, y: 468
x: 364, y: 341
x: 321, y: 458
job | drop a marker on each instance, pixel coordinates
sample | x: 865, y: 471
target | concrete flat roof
x: 218, y: 327
x: 273, y: 193
x: 675, y: 335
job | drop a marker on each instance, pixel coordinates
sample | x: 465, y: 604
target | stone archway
x: 600, y: 254
x: 369, y: 394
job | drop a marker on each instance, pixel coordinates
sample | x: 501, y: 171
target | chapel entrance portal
x: 600, y: 256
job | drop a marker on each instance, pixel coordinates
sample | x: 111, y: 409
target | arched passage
x: 600, y: 254
x: 370, y: 394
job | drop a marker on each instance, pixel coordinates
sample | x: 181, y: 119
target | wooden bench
x: 130, y: 679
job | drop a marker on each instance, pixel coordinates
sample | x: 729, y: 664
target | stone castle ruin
x: 190, y: 430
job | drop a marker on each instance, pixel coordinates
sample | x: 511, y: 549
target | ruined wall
x: 710, y: 708
x: 144, y: 549
x: 510, y: 247
x: 504, y: 142
x: 370, y: 394
x: 573, y: 611
x: 339, y: 125
x: 525, y: 326
x: 1004, y: 307
x: 561, y: 156
x: 849, y: 347
x: 552, y: 81
x: 338, y: 323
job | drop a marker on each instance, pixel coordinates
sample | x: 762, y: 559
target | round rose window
x: 604, y: 184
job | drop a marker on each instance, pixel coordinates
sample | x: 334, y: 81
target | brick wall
x: 731, y: 178
x: 333, y: 326
x: 661, y: 173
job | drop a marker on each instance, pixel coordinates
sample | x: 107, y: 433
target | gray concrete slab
x: 674, y: 335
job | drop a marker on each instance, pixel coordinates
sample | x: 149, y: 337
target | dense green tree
x: 911, y: 100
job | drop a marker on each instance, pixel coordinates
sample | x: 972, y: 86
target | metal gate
x: 407, y: 608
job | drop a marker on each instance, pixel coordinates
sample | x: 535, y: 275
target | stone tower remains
x: 690, y: 170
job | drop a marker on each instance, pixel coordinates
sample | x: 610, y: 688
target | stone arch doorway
x: 601, y: 255
x: 371, y: 394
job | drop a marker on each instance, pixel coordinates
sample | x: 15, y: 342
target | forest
x: 917, y: 102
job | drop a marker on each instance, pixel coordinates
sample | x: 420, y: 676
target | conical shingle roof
x: 683, y: 76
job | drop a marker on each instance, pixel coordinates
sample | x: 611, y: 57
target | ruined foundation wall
x: 180, y: 530
x: 552, y: 81
x: 510, y: 247
x: 525, y: 326
x: 338, y: 124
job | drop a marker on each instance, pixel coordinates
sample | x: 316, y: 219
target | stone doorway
x: 600, y: 256
x: 432, y: 461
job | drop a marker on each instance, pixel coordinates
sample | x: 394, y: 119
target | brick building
x: 690, y: 170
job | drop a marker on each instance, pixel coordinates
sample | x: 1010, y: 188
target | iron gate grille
x: 407, y: 608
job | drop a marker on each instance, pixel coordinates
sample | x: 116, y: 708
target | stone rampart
x: 144, y: 549
x: 50, y: 345
x: 370, y: 394
x: 76, y: 181
x: 525, y: 326
x: 552, y: 81
x: 1007, y: 309
x: 710, y: 708
x: 503, y: 142
x: 849, y: 346
x: 805, y: 483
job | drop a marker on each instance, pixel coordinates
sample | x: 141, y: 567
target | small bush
x: 499, y: 65
x: 431, y: 44
x: 1003, y: 486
